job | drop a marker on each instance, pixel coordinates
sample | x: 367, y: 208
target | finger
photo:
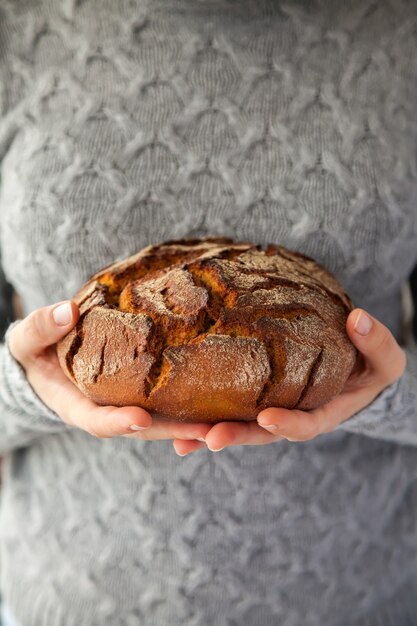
x: 64, y: 398
x: 42, y: 328
x: 162, y: 429
x: 293, y: 424
x: 383, y: 355
x: 226, y: 434
x: 182, y: 447
x: 111, y: 421
x: 297, y: 425
x: 384, y: 362
x: 75, y: 409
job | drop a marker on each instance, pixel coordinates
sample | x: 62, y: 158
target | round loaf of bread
x: 210, y: 330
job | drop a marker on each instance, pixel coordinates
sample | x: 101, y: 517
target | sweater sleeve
x: 393, y: 414
x: 23, y: 415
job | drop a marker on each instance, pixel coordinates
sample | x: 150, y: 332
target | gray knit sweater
x: 124, y: 123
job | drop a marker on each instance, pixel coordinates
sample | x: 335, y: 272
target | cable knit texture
x: 124, y: 123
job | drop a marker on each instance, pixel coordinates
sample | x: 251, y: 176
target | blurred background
x: 413, y: 287
x: 7, y: 299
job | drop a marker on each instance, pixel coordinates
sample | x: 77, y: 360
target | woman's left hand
x: 381, y: 361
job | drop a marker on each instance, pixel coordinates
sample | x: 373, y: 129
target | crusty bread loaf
x: 210, y: 330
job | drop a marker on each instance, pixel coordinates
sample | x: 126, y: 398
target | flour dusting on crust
x: 225, y: 330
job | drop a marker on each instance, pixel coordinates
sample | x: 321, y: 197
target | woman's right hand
x: 32, y: 344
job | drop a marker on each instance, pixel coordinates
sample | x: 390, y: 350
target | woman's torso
x: 289, y: 123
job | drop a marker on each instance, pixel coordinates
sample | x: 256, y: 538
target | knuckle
x: 310, y: 431
x: 92, y: 430
x: 299, y: 437
x: 94, y: 433
x: 384, y: 340
x: 313, y: 428
x: 327, y: 428
x: 32, y: 328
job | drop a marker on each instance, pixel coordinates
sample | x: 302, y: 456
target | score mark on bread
x: 210, y: 330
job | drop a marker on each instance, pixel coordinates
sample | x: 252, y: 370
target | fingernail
x: 179, y: 453
x: 62, y: 314
x: 363, y: 324
x: 136, y: 427
x: 216, y: 449
x: 200, y: 439
x: 271, y: 427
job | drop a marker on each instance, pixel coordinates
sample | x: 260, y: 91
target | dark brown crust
x: 210, y: 330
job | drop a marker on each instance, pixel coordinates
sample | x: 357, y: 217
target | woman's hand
x: 380, y: 362
x: 32, y: 344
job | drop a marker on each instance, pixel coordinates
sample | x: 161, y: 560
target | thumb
x: 386, y: 359
x: 42, y: 328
